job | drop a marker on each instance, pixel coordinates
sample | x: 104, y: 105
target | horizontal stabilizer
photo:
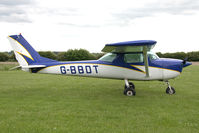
x: 33, y: 66
x: 16, y: 67
x: 29, y: 66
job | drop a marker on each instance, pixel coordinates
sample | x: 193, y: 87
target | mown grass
x: 37, y: 103
x: 7, y: 67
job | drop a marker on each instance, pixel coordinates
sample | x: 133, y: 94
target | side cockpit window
x: 109, y: 57
x: 133, y: 58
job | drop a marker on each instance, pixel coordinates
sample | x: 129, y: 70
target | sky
x: 59, y: 25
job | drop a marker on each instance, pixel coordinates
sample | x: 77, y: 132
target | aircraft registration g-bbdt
x: 132, y: 60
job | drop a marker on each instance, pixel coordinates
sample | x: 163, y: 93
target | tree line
x: 82, y: 54
x: 191, y: 56
x: 70, y: 55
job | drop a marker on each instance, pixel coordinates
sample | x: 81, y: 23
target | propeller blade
x: 185, y: 60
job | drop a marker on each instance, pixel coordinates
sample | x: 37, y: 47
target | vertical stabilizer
x: 24, y: 52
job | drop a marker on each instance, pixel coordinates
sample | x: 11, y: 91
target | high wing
x: 130, y: 47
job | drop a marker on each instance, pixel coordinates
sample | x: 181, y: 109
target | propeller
x: 185, y: 60
x: 185, y: 63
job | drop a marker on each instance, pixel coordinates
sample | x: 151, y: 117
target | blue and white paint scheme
x: 132, y: 60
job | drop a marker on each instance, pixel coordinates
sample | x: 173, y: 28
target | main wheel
x: 129, y: 91
x: 170, y: 91
x: 131, y: 85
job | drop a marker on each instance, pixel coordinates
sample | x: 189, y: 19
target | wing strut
x: 146, y: 63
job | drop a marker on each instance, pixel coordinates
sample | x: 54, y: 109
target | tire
x: 129, y: 92
x: 172, y: 91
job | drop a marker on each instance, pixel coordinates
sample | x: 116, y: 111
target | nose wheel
x: 129, y: 88
x: 170, y: 90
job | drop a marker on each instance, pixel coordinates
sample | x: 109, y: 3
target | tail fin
x: 24, y: 52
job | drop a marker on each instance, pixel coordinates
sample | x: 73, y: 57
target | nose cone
x: 187, y: 64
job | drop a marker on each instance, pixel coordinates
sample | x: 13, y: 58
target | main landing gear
x: 129, y: 88
x: 170, y: 90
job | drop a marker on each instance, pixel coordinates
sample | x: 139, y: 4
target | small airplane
x: 132, y: 60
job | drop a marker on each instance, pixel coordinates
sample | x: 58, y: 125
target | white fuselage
x: 110, y: 71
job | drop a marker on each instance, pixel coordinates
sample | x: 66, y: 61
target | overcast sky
x: 59, y: 25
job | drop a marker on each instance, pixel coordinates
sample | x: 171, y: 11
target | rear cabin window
x: 133, y: 58
x: 109, y: 57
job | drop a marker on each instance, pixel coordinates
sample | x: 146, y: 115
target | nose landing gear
x: 129, y: 88
x: 170, y: 90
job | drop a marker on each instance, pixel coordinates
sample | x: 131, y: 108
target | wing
x: 132, y: 46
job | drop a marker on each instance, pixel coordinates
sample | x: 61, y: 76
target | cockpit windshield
x: 109, y: 57
x: 152, y: 56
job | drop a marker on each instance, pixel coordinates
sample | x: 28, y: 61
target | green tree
x: 177, y: 55
x: 160, y: 54
x: 48, y: 54
x: 75, y: 55
x: 4, y: 56
x: 98, y: 55
x: 12, y: 56
x: 193, y: 56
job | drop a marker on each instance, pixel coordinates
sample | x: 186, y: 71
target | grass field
x: 35, y: 103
